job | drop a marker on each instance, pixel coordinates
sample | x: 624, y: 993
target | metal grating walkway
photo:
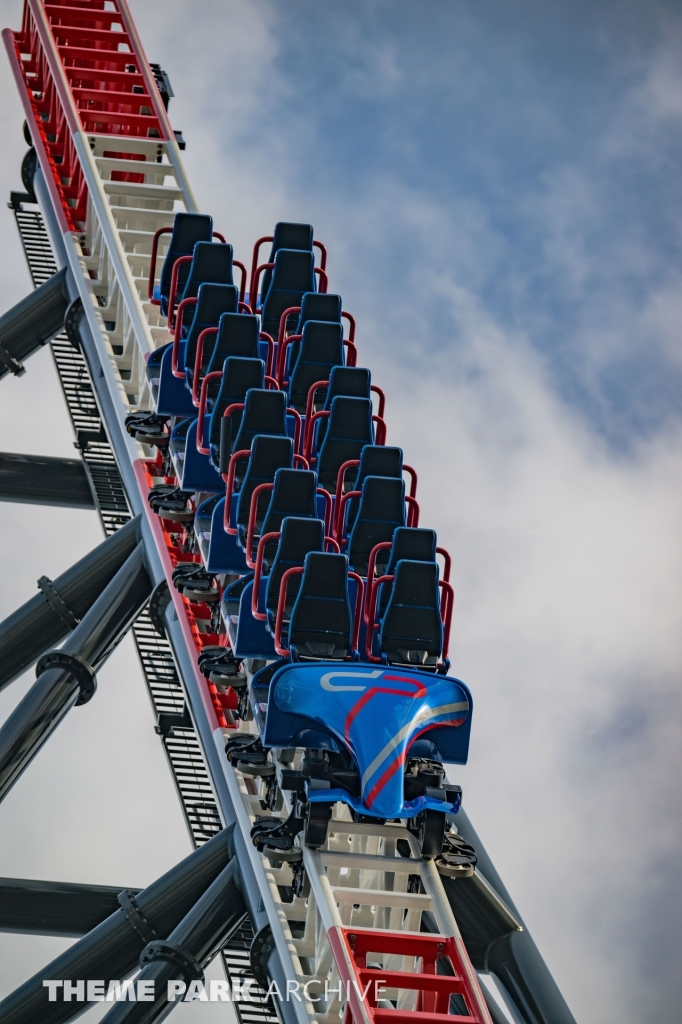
x: 179, y: 739
x: 164, y: 686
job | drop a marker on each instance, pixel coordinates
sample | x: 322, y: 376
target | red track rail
x: 83, y: 69
x: 433, y: 989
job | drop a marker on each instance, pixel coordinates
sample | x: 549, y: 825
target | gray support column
x: 494, y: 943
x: 46, y: 618
x: 32, y: 323
x: 111, y: 951
x: 43, y: 480
x: 67, y: 676
x: 68, y: 909
x: 187, y: 950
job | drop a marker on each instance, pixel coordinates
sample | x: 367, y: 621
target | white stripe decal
x: 326, y: 684
x: 422, y: 715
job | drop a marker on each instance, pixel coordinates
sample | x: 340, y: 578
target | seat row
x: 293, y: 518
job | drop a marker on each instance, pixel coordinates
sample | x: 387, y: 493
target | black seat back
x: 298, y: 537
x: 293, y: 495
x: 237, y: 336
x: 268, y: 454
x: 188, y: 229
x: 318, y: 306
x: 292, y: 277
x: 413, y: 543
x: 351, y: 381
x: 211, y: 264
x: 289, y: 235
x: 321, y: 349
x: 314, y: 306
x: 411, y: 631
x: 239, y: 376
x: 381, y: 509
x: 286, y: 236
x: 409, y: 542
x: 349, y: 429
x: 212, y: 301
x: 265, y: 412
x: 321, y: 619
x: 375, y: 460
x: 378, y: 460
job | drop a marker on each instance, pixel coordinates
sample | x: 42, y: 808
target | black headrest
x: 315, y: 306
x: 213, y: 301
x: 264, y: 411
x: 188, y: 229
x: 237, y: 336
x: 352, y: 381
x: 382, y: 500
x: 211, y: 262
x: 326, y: 575
x: 294, y: 489
x: 321, y: 343
x: 379, y: 460
x: 291, y: 236
x: 293, y: 270
x: 299, y: 536
x: 413, y: 543
x: 268, y: 454
x: 350, y: 418
x: 239, y: 375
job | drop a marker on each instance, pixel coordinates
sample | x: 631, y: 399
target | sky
x: 498, y: 187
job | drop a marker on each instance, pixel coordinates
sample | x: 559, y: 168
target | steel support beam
x: 489, y: 924
x: 112, y: 950
x: 67, y: 676
x: 42, y: 480
x: 188, y: 949
x: 67, y: 909
x: 32, y: 323
x: 49, y: 616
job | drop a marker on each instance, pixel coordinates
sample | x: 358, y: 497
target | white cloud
x: 566, y: 555
x: 567, y: 577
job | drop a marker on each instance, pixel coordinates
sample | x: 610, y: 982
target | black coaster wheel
x: 148, y: 428
x: 194, y: 583
x: 221, y: 667
x: 277, y: 834
x: 241, y: 747
x: 458, y: 858
x: 170, y: 502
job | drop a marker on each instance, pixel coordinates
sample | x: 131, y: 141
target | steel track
x: 179, y: 739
